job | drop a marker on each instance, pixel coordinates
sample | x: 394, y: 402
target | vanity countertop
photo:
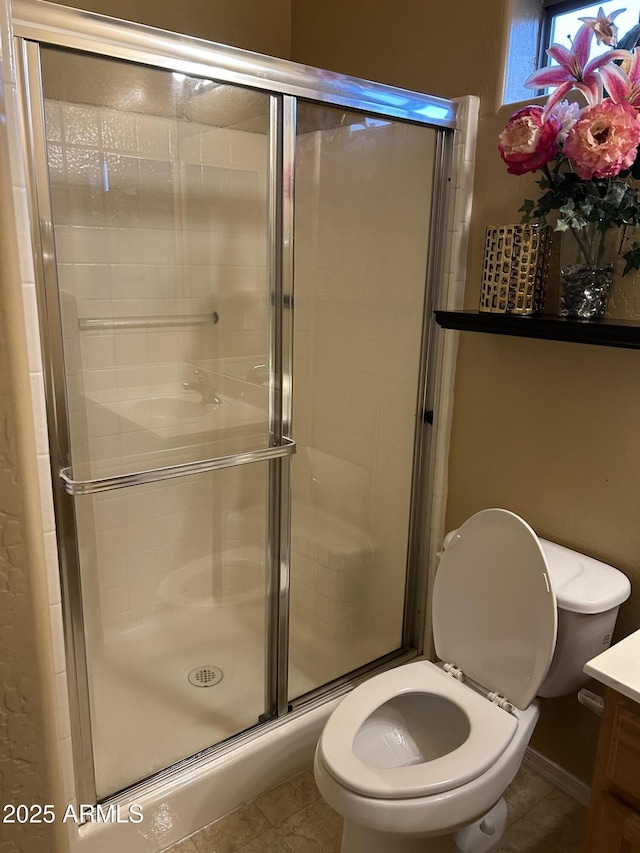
x: 619, y: 667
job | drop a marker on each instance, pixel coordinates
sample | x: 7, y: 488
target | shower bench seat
x: 332, y: 562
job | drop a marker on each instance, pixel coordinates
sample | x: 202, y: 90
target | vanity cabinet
x: 613, y: 821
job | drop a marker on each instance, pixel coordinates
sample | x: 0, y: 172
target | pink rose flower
x: 604, y: 140
x: 528, y: 141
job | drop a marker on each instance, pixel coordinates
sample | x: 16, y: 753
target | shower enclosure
x: 214, y: 581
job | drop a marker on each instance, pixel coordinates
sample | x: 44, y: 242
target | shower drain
x: 205, y: 676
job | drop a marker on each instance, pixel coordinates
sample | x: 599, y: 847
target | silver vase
x: 584, y: 291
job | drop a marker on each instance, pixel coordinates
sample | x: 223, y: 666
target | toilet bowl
x: 418, y: 758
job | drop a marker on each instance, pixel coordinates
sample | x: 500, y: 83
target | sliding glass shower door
x: 229, y: 261
x: 160, y: 189
x: 364, y: 186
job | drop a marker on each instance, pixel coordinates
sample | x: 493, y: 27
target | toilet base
x: 483, y: 836
x: 357, y: 839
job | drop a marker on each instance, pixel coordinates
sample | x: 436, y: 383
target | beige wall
x: 260, y: 26
x: 549, y: 430
x: 22, y: 757
x: 27, y: 730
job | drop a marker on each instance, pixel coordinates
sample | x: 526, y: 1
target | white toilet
x: 417, y: 759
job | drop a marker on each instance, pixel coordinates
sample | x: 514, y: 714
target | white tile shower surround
x: 456, y: 253
x: 359, y: 286
x: 359, y: 279
x: 354, y: 405
x: 121, y: 183
x: 133, y: 238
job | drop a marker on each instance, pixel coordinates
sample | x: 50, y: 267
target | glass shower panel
x: 159, y: 191
x: 363, y: 189
x: 159, y: 188
x: 173, y: 586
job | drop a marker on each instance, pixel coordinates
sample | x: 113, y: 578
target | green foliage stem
x: 587, y: 208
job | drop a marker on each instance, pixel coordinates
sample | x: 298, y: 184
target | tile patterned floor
x: 293, y: 818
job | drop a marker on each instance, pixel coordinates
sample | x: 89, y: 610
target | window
x: 535, y: 24
x: 561, y: 22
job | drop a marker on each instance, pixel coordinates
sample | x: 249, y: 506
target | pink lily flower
x: 623, y: 86
x: 603, y: 26
x: 574, y: 71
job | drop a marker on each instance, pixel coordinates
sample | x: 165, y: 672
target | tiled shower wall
x: 157, y: 216
x: 363, y: 196
x: 135, y: 238
x: 153, y: 216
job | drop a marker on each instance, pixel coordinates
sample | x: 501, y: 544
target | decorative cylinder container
x: 516, y: 269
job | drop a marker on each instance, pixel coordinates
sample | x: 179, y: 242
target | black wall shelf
x: 606, y: 333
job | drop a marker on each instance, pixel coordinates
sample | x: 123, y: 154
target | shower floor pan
x: 146, y: 715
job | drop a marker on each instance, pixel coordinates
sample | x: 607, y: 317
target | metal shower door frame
x: 66, y: 488
x: 39, y: 23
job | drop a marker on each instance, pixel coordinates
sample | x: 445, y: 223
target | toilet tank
x: 588, y: 595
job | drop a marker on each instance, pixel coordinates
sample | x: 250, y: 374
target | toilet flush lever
x: 591, y: 700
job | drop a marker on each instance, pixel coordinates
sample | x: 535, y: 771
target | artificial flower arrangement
x: 588, y: 155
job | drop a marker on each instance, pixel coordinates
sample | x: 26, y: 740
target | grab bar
x: 155, y: 475
x: 94, y: 324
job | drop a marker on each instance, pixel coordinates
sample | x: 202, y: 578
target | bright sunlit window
x: 561, y: 21
x: 535, y: 24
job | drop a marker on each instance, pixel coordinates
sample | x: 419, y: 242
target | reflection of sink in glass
x: 170, y: 409
x: 179, y: 417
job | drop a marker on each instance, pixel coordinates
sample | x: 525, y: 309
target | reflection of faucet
x: 259, y: 374
x: 204, y: 386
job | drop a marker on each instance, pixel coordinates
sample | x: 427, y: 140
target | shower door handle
x: 155, y: 475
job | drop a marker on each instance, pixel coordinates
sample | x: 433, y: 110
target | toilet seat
x: 417, y: 731
x: 490, y: 730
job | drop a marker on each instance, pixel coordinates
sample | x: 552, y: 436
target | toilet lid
x: 494, y: 609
